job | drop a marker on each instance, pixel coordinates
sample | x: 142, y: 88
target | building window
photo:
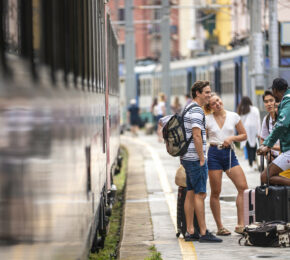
x: 121, y: 14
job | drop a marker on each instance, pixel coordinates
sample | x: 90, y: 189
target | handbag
x: 267, y: 234
x: 180, y: 177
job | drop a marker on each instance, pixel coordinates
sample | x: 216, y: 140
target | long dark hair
x: 244, y: 106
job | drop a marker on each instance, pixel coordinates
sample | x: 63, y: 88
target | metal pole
x: 273, y: 40
x: 129, y: 52
x: 256, y: 51
x: 165, y: 53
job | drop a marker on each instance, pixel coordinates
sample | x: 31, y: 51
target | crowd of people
x: 211, y: 122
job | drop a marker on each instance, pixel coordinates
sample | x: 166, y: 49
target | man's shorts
x: 196, y: 175
x: 220, y: 159
x: 283, y: 161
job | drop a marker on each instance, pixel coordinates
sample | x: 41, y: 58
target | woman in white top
x: 251, y: 120
x: 160, y: 110
x: 221, y: 125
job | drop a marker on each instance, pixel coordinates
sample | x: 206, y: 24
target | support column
x: 130, y: 52
x: 165, y: 52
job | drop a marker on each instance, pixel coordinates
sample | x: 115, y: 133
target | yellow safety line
x: 187, y: 249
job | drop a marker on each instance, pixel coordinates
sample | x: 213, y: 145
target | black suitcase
x: 272, y: 202
x: 274, y: 206
x: 181, y: 220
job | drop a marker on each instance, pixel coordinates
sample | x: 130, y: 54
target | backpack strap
x: 185, y: 111
x: 190, y: 107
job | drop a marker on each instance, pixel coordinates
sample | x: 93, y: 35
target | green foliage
x: 154, y: 254
x: 113, y: 237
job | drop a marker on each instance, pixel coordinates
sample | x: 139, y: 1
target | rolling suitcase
x: 181, y: 221
x: 272, y: 202
x: 249, y: 206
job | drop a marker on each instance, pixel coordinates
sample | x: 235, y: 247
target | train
x: 228, y: 73
x: 59, y: 134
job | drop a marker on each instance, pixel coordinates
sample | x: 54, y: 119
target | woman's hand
x: 227, y: 142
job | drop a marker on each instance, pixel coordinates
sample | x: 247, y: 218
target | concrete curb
x: 137, y: 230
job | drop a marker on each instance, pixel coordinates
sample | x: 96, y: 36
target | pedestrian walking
x: 154, y: 112
x: 195, y: 165
x: 280, y: 131
x: 221, y: 125
x: 188, y: 99
x: 133, y: 117
x: 160, y: 110
x: 176, y: 107
x: 251, y: 120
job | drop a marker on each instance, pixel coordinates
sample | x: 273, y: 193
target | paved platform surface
x: 150, y: 209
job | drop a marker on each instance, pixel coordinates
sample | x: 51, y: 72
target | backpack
x: 267, y: 234
x: 174, y: 134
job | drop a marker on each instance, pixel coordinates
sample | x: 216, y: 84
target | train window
x: 86, y: 47
x: 11, y: 25
x: 122, y: 52
x: 98, y: 79
x: 94, y: 32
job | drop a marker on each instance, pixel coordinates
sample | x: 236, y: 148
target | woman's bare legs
x: 238, y: 177
x: 215, y: 180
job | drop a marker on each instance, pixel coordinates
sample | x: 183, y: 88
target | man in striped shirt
x: 194, y: 162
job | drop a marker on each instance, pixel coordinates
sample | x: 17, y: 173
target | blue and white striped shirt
x: 194, y: 118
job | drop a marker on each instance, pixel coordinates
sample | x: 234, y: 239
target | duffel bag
x: 267, y: 234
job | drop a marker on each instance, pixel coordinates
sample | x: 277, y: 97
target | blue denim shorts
x: 196, y: 175
x: 220, y: 159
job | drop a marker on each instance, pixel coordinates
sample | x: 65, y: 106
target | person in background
x: 133, y: 117
x: 221, y: 126
x: 269, y: 121
x: 188, y: 99
x: 280, y: 131
x: 154, y: 112
x: 250, y: 117
x: 176, y: 107
x: 161, y: 109
x: 195, y: 165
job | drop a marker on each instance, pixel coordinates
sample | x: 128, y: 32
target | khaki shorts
x: 283, y: 161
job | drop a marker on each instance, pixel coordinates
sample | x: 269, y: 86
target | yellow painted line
x: 187, y: 248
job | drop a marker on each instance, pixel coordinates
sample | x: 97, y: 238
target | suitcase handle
x: 268, y: 177
x: 267, y: 167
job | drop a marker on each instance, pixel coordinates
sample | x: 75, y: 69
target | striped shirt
x: 194, y: 118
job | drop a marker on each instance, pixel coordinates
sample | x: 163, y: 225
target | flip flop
x: 223, y: 232
x: 239, y: 229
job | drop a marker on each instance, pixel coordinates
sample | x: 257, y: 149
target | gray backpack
x: 175, y: 136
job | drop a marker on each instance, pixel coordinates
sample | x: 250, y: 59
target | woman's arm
x: 242, y: 135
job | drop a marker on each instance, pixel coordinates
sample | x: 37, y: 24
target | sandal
x: 223, y: 232
x: 239, y: 229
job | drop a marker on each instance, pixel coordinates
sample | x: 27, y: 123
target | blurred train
x: 59, y: 127
x: 227, y: 72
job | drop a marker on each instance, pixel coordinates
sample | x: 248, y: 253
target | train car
x: 59, y: 134
x: 227, y: 73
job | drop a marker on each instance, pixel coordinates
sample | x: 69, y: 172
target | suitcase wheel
x: 177, y: 234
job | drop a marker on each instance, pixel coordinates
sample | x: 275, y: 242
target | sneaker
x: 209, y: 238
x: 191, y: 237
